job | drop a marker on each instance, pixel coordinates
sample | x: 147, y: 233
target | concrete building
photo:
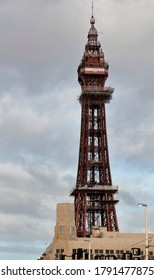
x: 102, y: 244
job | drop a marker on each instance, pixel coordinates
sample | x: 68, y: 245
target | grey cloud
x: 39, y: 59
x: 35, y: 127
x: 31, y: 191
x: 128, y: 198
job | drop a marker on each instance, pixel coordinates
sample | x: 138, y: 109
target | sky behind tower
x: 42, y: 43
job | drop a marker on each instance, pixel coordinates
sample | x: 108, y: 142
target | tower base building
x: 102, y: 244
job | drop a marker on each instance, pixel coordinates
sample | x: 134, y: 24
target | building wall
x: 101, y: 244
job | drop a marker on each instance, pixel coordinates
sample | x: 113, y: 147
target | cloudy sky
x: 42, y: 42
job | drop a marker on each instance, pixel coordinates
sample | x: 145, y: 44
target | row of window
x: 109, y: 252
x: 100, y: 251
x: 117, y: 252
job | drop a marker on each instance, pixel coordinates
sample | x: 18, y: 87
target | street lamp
x: 89, y: 249
x: 146, y: 228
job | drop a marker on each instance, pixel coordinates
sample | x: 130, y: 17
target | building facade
x: 102, y: 244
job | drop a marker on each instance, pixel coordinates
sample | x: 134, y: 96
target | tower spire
x: 92, y: 8
x: 92, y: 20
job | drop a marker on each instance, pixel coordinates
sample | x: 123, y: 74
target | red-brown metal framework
x: 94, y: 193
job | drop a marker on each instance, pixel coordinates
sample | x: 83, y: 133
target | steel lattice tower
x: 94, y: 193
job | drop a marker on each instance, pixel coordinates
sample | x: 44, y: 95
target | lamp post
x: 89, y: 249
x: 146, y: 228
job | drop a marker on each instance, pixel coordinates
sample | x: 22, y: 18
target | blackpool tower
x: 94, y: 194
x: 93, y: 217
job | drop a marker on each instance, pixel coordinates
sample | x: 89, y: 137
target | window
x: 59, y: 254
x: 98, y: 251
x: 61, y: 229
x: 59, y: 251
x: 72, y: 230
